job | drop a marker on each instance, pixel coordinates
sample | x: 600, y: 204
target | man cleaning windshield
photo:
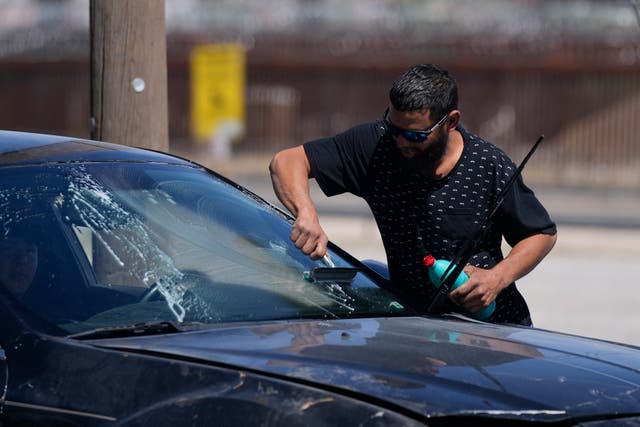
x: 429, y: 183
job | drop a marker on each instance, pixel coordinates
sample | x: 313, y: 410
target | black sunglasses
x: 412, y: 135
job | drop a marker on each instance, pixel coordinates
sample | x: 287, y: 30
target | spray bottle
x: 437, y: 269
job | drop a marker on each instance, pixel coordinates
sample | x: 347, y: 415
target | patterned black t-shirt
x: 417, y: 215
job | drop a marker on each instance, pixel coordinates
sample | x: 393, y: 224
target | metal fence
x: 590, y: 116
x: 590, y: 119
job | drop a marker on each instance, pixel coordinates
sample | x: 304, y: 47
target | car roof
x: 22, y: 148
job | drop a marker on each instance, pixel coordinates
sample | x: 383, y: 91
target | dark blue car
x: 140, y: 289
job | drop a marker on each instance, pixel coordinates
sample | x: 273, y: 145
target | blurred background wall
x: 569, y: 69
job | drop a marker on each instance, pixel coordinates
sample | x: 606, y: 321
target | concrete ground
x: 588, y: 285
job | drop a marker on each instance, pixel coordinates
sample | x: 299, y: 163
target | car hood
x: 435, y: 367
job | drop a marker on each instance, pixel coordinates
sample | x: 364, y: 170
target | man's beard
x: 425, y: 161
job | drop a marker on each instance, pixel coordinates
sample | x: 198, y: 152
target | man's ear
x: 453, y: 120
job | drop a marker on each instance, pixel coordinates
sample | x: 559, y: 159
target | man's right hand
x: 308, y: 236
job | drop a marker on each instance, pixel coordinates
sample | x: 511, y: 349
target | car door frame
x: 13, y: 327
x: 4, y: 378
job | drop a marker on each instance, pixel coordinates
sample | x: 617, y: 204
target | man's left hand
x: 479, y: 291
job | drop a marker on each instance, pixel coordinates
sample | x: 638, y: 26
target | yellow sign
x: 217, y: 90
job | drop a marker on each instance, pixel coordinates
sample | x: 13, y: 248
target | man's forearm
x: 290, y: 172
x: 483, y: 286
x: 524, y: 257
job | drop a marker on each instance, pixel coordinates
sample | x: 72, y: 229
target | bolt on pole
x: 129, y: 73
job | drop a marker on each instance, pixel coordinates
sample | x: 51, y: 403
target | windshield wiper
x: 135, y: 330
x: 465, y: 252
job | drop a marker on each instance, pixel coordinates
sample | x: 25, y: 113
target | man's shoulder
x: 341, y: 163
x: 365, y: 133
x: 369, y: 131
x: 477, y: 146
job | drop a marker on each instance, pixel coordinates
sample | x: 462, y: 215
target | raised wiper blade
x: 466, y: 250
x: 137, y: 329
x: 331, y: 274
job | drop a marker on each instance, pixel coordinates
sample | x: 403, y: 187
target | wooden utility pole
x: 129, y: 73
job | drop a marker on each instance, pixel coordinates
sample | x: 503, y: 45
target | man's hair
x: 425, y: 86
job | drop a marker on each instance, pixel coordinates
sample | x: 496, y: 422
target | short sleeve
x: 522, y: 215
x: 341, y: 163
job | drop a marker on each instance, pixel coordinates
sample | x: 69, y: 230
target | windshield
x: 111, y: 244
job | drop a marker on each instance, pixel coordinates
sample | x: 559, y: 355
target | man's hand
x: 479, y: 291
x: 308, y: 236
